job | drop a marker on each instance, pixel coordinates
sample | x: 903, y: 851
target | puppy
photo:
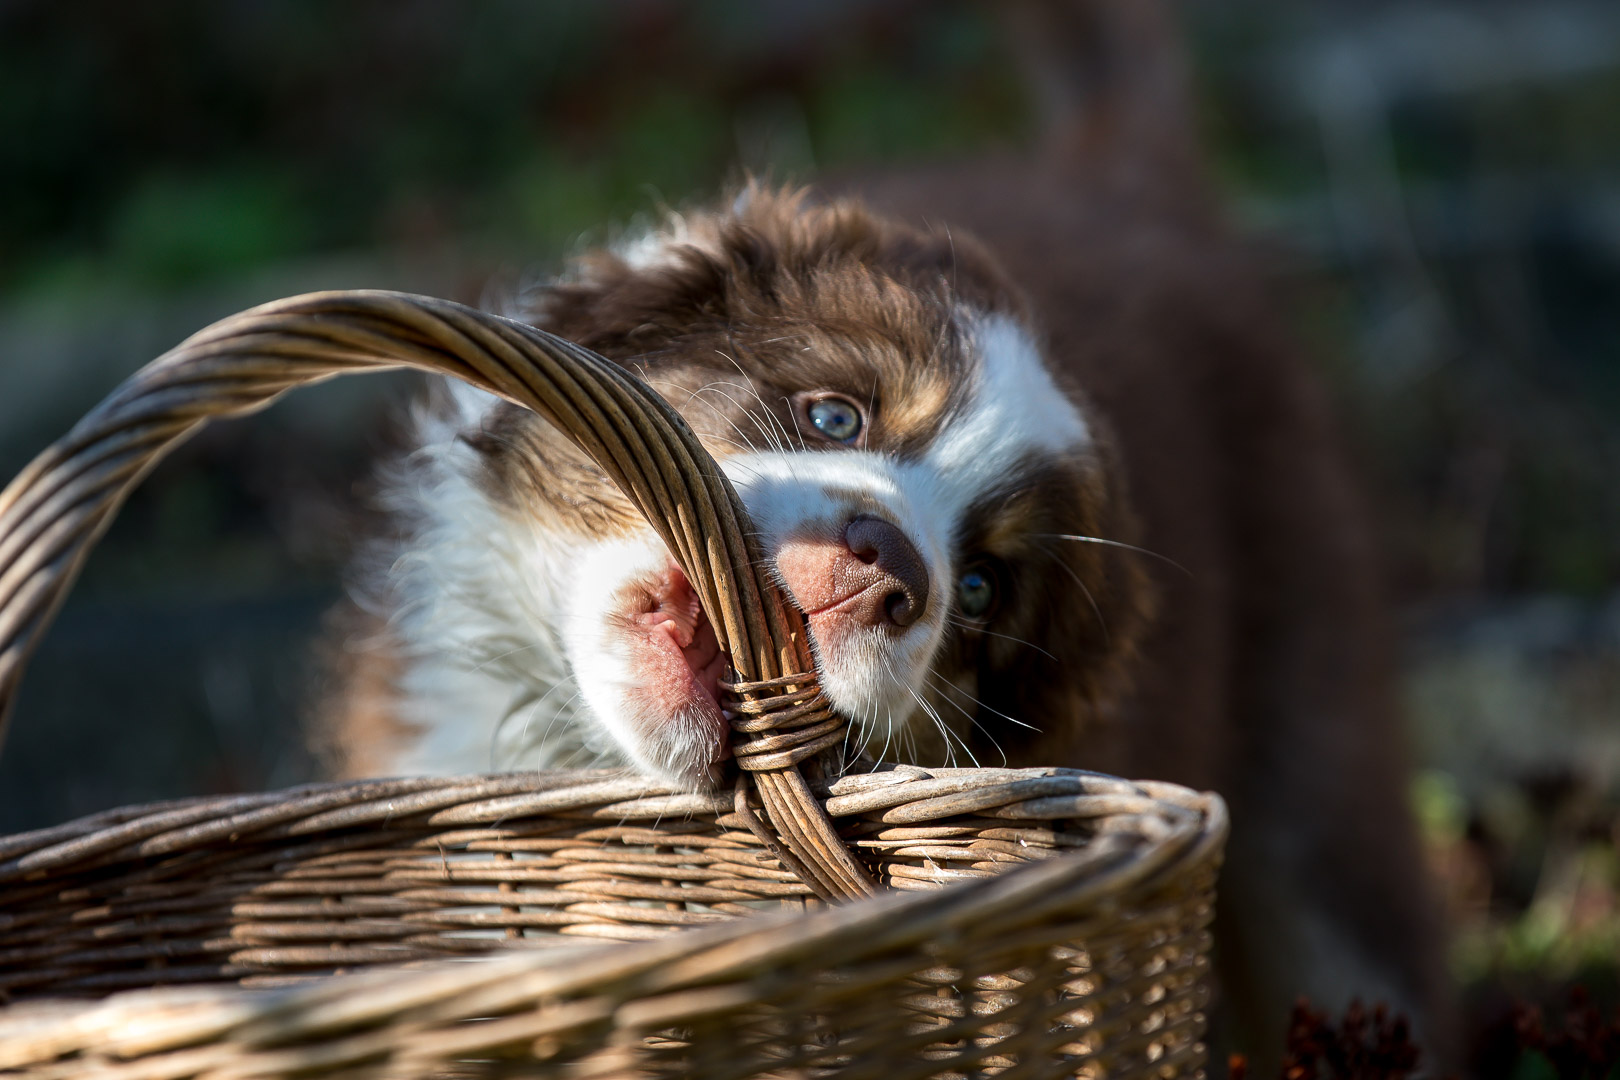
x: 1022, y: 443
x: 933, y: 493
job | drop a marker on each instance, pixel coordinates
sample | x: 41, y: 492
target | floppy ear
x: 620, y: 310
x: 1067, y: 654
x: 1069, y: 689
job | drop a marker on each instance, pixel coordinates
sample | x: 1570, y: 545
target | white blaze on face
x: 1013, y: 410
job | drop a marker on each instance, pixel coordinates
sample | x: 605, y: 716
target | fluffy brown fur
x: 792, y: 292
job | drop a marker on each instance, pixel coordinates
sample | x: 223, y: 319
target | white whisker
x: 965, y: 625
x: 1118, y: 544
x: 946, y: 684
x: 749, y: 386
x: 1092, y: 600
x: 715, y: 388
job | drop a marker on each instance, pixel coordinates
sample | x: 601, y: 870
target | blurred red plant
x: 1581, y: 1047
x: 1377, y: 1045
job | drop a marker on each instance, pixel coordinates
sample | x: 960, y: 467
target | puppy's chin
x: 683, y: 748
x: 869, y: 675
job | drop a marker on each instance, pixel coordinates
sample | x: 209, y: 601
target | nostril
x: 861, y: 543
x: 888, y: 551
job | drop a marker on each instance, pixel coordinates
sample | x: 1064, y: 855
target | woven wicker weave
x: 1072, y: 937
x: 1036, y: 923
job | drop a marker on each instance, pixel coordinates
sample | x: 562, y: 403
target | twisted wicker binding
x: 58, y: 507
x: 1073, y: 939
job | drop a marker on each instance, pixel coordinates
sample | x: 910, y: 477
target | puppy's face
x: 924, y: 486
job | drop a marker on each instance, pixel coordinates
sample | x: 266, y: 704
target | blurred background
x: 1434, y: 188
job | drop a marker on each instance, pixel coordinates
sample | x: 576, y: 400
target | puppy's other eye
x: 976, y: 592
x: 835, y: 417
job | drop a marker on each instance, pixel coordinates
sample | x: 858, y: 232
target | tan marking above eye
x: 919, y: 409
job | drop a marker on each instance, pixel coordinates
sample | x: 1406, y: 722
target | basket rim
x: 899, y: 793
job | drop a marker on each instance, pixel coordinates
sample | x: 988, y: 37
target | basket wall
x: 1094, y: 961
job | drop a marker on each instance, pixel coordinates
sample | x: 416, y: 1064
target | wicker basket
x: 1029, y: 923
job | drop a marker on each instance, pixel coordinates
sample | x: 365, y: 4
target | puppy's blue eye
x: 835, y: 418
x: 975, y: 593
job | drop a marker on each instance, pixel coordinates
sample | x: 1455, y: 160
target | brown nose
x: 899, y: 590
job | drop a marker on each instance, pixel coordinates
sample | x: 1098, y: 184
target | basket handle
x: 59, y: 506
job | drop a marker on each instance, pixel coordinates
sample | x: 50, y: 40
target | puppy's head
x: 926, y: 486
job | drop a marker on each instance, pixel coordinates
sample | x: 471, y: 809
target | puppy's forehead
x: 795, y: 296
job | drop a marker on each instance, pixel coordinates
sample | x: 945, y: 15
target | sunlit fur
x: 506, y: 590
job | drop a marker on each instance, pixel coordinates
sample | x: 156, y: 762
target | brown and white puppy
x: 931, y: 491
x: 1057, y: 495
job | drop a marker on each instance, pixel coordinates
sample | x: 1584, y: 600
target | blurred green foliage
x: 163, y: 145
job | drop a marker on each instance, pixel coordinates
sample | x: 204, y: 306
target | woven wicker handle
x: 60, y: 505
